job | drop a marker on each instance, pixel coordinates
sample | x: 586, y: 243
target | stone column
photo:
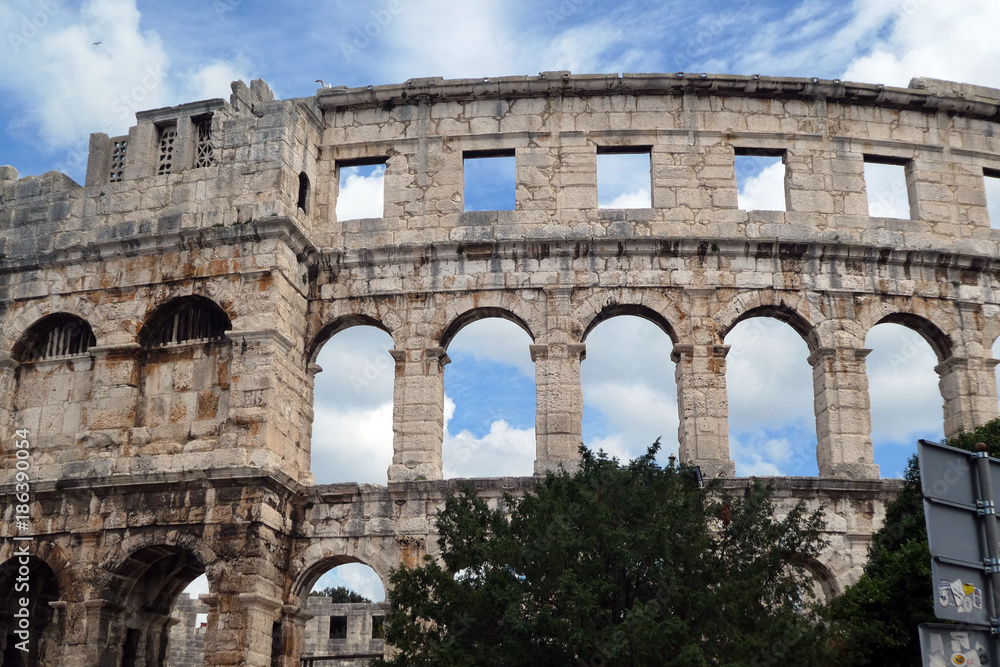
x: 703, y: 407
x: 7, y: 389
x: 969, y: 389
x: 843, y: 413
x: 293, y: 634
x: 114, y: 406
x: 239, y: 629
x: 417, y: 414
x: 559, y: 412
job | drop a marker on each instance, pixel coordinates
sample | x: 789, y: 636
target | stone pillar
x: 843, y: 413
x: 293, y: 620
x: 239, y: 629
x: 8, y: 385
x: 114, y: 405
x: 969, y: 389
x: 417, y: 414
x: 703, y: 408
x: 559, y: 412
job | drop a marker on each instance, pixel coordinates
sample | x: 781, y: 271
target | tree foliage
x: 878, y: 616
x: 338, y: 594
x: 613, y: 565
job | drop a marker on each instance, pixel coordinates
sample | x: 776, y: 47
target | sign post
x: 962, y: 532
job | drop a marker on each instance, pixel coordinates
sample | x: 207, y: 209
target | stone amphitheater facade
x: 159, y: 325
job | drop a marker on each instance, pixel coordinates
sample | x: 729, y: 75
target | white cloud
x: 213, y: 80
x: 756, y: 454
x: 765, y: 191
x: 636, y: 199
x: 197, y: 587
x: 361, y: 194
x: 356, y: 577
x: 933, y: 39
x: 905, y: 399
x: 496, y: 339
x: 993, y: 200
x: 352, y: 445
x: 503, y: 452
x: 69, y: 85
x: 768, y: 377
x: 887, y: 195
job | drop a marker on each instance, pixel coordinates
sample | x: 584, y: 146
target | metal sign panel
x: 955, y: 534
x: 946, y: 473
x: 960, y: 593
x: 956, y: 645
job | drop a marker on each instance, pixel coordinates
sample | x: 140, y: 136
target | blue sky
x: 57, y: 86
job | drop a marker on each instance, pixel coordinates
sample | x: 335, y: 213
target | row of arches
x: 630, y: 397
x: 181, y: 320
x: 491, y: 435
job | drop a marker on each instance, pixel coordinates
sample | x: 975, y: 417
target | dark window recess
x: 165, y: 162
x: 303, y: 192
x: 338, y: 627
x: 190, y: 322
x: 378, y: 627
x: 65, y: 339
x: 204, y: 152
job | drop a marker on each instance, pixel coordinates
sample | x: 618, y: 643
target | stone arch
x: 183, y: 319
x: 40, y: 628
x: 652, y: 307
x: 823, y: 577
x: 481, y: 313
x: 17, y: 327
x: 323, y: 555
x: 49, y: 552
x: 939, y: 341
x: 339, y: 324
x: 767, y: 303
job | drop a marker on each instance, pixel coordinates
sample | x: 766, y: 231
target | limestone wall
x: 158, y: 331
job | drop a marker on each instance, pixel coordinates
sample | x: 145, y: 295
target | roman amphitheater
x: 159, y: 325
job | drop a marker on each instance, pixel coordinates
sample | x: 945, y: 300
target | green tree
x: 339, y: 594
x: 613, y: 565
x: 878, y: 616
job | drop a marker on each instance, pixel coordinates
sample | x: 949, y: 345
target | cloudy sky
x: 71, y: 68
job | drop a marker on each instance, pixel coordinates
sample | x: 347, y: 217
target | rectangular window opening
x: 378, y: 627
x: 204, y: 152
x: 991, y: 179
x: 338, y: 627
x: 760, y: 179
x: 165, y: 153
x: 362, y: 188
x: 885, y: 181
x: 624, y: 177
x: 490, y: 180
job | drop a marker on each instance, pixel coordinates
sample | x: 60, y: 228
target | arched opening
x: 27, y: 630
x: 145, y: 589
x: 903, y: 391
x: 186, y: 645
x: 53, y: 384
x: 53, y: 336
x: 347, y: 608
x: 629, y: 386
x: 772, y: 428
x: 352, y: 407
x: 489, y: 398
x: 189, y: 319
x: 303, y: 202
x: 184, y: 385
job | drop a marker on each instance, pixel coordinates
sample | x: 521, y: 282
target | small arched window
x: 185, y: 320
x: 303, y: 192
x: 59, y: 335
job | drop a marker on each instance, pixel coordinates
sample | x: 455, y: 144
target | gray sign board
x: 949, y: 645
x: 946, y: 474
x: 954, y: 533
x: 960, y: 593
